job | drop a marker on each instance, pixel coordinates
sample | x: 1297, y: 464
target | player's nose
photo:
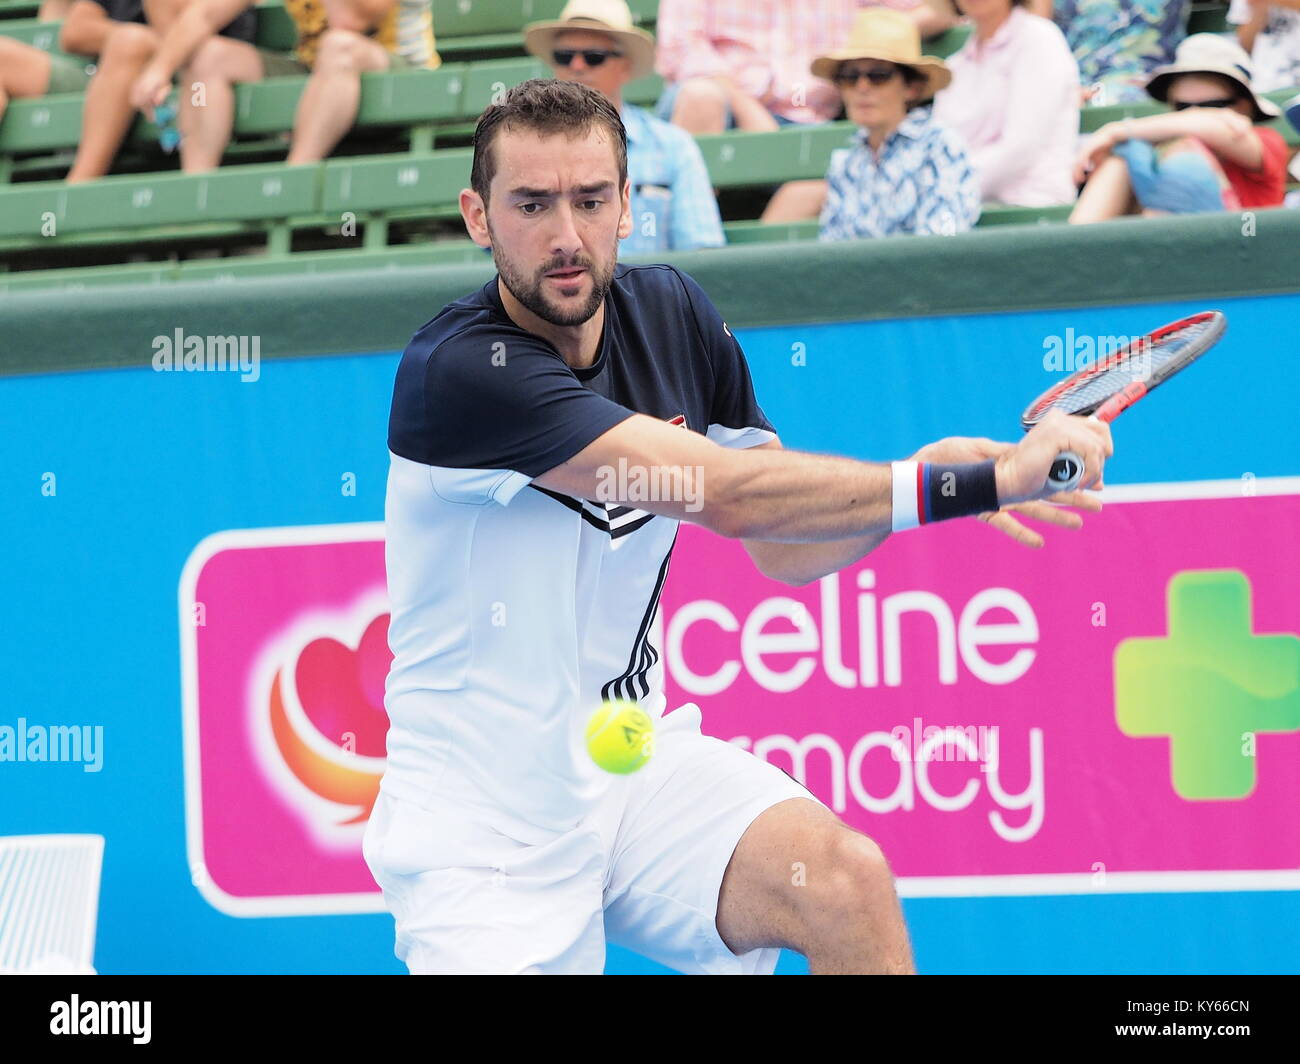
x: 565, y: 239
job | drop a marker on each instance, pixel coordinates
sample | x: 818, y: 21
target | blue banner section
x: 111, y: 478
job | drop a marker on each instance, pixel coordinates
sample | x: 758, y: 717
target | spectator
x: 1270, y: 32
x: 1014, y: 99
x: 595, y: 43
x: 905, y: 173
x: 26, y: 71
x: 744, y: 63
x: 1207, y: 155
x: 338, y: 41
x: 1118, y: 43
x: 118, y: 32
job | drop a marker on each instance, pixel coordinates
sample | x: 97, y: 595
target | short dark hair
x: 546, y: 106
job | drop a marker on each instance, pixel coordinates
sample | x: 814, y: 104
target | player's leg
x: 466, y: 899
x: 802, y: 879
x: 722, y: 859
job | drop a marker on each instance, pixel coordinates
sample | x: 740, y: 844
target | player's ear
x: 474, y: 211
x: 625, y: 219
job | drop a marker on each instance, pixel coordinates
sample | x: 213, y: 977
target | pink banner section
x: 284, y: 641
x: 1120, y: 710
x: 954, y: 695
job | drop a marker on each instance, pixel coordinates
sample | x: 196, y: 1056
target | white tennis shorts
x: 642, y: 871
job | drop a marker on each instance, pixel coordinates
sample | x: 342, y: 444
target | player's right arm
x: 784, y: 496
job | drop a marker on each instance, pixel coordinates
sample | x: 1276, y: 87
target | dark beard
x: 529, y: 292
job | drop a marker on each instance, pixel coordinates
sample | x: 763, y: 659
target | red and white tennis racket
x: 1110, y: 386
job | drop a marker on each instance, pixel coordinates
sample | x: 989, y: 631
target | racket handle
x: 1066, y: 472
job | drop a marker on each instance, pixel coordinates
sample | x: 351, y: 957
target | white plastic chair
x: 49, y: 900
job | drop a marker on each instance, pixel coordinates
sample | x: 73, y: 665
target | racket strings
x: 1151, y: 359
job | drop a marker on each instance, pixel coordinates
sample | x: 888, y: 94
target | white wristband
x: 905, y: 511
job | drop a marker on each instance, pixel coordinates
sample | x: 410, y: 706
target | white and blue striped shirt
x: 921, y: 182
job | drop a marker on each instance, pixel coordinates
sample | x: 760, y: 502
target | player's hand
x: 1022, y: 471
x: 977, y: 449
x: 149, y: 90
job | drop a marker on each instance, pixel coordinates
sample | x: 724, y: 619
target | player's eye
x: 592, y: 204
x: 528, y: 210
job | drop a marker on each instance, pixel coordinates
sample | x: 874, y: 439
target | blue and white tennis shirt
x: 517, y: 610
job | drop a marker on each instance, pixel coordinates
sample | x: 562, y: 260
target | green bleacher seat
x: 757, y: 233
x: 1208, y: 18
x: 276, y: 30
x: 946, y: 43
x: 121, y: 206
x: 470, y: 18
x: 740, y: 159
x: 489, y: 76
x: 1000, y: 214
x: 46, y: 123
x: 42, y: 35
x: 19, y: 8
x: 427, y: 182
x: 466, y: 28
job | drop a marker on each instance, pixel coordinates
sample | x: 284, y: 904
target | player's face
x: 555, y: 216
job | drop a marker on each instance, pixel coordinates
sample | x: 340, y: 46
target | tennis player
x: 523, y: 595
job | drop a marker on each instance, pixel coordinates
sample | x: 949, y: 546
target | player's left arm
x: 802, y: 563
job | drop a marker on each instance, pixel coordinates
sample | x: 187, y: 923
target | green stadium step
x: 1208, y: 18
x: 54, y: 212
x: 946, y: 43
x: 440, y: 252
x: 401, y: 98
x: 736, y: 160
x: 1000, y: 214
x: 756, y: 232
x: 386, y: 183
x: 239, y: 267
x: 42, y: 35
x: 991, y: 214
x: 19, y: 8
x: 470, y: 18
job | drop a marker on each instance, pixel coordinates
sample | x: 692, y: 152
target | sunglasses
x: 875, y: 75
x: 593, y: 57
x: 1182, y: 105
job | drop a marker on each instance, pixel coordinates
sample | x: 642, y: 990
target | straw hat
x: 888, y: 35
x: 602, y: 16
x: 1208, y: 53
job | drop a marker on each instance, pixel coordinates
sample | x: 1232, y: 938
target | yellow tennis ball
x: 620, y: 736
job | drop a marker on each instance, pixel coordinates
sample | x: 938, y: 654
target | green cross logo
x: 1210, y: 686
